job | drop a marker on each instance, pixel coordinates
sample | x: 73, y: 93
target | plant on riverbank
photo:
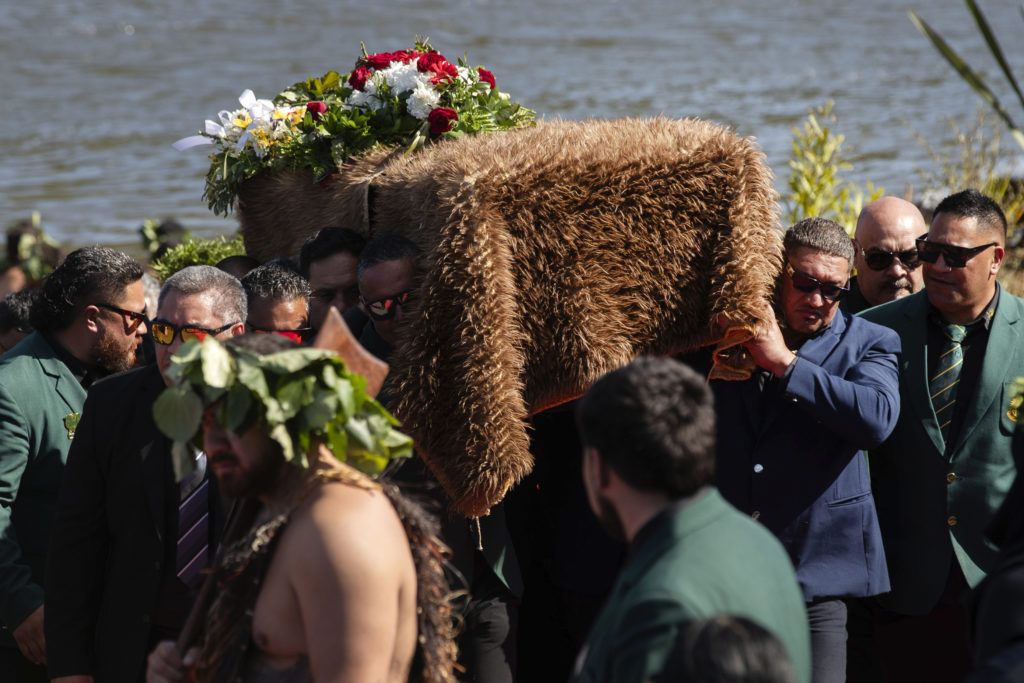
x: 405, y: 99
x: 816, y: 185
x: 197, y: 252
x: 973, y: 157
x: 969, y: 74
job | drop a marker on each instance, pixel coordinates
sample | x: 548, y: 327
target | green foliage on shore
x: 197, y: 252
x: 970, y: 75
x: 973, y: 157
x: 816, y: 183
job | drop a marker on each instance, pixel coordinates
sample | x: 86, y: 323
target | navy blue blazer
x: 793, y: 456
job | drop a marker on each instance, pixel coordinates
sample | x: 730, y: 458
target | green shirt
x: 698, y: 559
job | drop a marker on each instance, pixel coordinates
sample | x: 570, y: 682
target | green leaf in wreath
x: 178, y: 412
x: 218, y: 368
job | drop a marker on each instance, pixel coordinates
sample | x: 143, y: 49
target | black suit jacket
x: 110, y: 550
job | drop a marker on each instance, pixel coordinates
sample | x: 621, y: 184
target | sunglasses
x: 385, y: 309
x: 298, y: 336
x: 164, y: 332
x: 130, y: 319
x: 879, y: 259
x: 954, y: 256
x: 809, y: 285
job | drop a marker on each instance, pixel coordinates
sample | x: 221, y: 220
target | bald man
x: 886, y: 260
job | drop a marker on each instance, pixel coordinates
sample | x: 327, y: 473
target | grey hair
x: 225, y: 291
x: 820, y: 234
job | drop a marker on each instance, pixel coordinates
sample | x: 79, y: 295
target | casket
x: 550, y: 255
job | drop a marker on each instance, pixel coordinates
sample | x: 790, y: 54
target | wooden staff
x: 336, y: 336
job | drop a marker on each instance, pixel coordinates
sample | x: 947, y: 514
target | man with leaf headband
x: 338, y: 577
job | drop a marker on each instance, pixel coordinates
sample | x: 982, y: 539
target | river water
x: 93, y: 94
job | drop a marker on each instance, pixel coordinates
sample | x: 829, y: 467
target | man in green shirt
x: 648, y: 431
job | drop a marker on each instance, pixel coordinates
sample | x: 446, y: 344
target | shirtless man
x: 334, y: 591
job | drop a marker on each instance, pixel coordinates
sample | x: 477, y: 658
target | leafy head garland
x: 302, y: 395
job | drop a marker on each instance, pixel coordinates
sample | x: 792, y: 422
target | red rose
x: 487, y: 77
x: 381, y: 60
x: 317, y: 109
x: 426, y: 60
x: 359, y: 77
x: 404, y: 56
x: 435, y: 63
x: 441, y: 120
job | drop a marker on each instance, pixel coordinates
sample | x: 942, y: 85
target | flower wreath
x: 303, y: 395
x: 402, y: 98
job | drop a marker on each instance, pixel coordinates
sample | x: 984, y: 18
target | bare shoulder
x: 347, y: 521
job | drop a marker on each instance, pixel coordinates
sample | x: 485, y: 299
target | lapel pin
x: 71, y: 424
x: 1014, y: 409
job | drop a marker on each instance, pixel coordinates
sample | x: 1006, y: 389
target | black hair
x: 238, y: 265
x: 653, y: 422
x: 727, y: 649
x: 271, y: 281
x: 388, y: 246
x: 286, y: 262
x: 974, y: 204
x: 820, y: 234
x: 262, y: 344
x: 328, y: 242
x: 16, y: 311
x: 87, y: 276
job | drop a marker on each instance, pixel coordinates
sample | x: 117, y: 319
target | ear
x: 998, y: 254
x: 237, y: 329
x: 90, y: 315
x: 599, y: 471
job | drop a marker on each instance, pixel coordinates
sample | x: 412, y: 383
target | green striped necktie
x: 945, y: 379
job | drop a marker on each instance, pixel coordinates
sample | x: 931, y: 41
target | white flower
x: 365, y: 100
x: 402, y: 78
x: 258, y: 109
x: 464, y: 74
x: 423, y: 100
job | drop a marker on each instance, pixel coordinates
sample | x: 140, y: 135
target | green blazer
x: 37, y: 393
x: 931, y: 507
x: 696, y: 561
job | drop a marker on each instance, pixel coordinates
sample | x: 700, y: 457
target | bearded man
x: 89, y: 318
x: 338, y: 578
x: 129, y: 542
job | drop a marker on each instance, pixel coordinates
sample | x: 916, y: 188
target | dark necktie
x: 194, y: 535
x: 945, y: 378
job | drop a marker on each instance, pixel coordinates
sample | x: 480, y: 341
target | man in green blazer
x: 89, y: 319
x: 648, y: 431
x: 941, y: 475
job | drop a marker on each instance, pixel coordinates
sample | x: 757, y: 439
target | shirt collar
x: 84, y: 373
x: 983, y: 321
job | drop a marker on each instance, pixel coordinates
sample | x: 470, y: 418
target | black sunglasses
x: 809, y: 285
x: 879, y: 259
x: 298, y: 335
x: 131, y: 319
x: 164, y: 332
x: 954, y: 256
x: 385, y: 309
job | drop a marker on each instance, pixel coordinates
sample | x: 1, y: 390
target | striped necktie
x: 194, y: 535
x: 946, y: 377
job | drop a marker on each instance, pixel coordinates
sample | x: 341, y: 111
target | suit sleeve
x: 19, y: 595
x: 862, y: 406
x: 78, y: 548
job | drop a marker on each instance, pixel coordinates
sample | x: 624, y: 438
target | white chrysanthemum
x: 402, y: 78
x: 363, y: 99
x: 423, y: 100
x: 465, y: 74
